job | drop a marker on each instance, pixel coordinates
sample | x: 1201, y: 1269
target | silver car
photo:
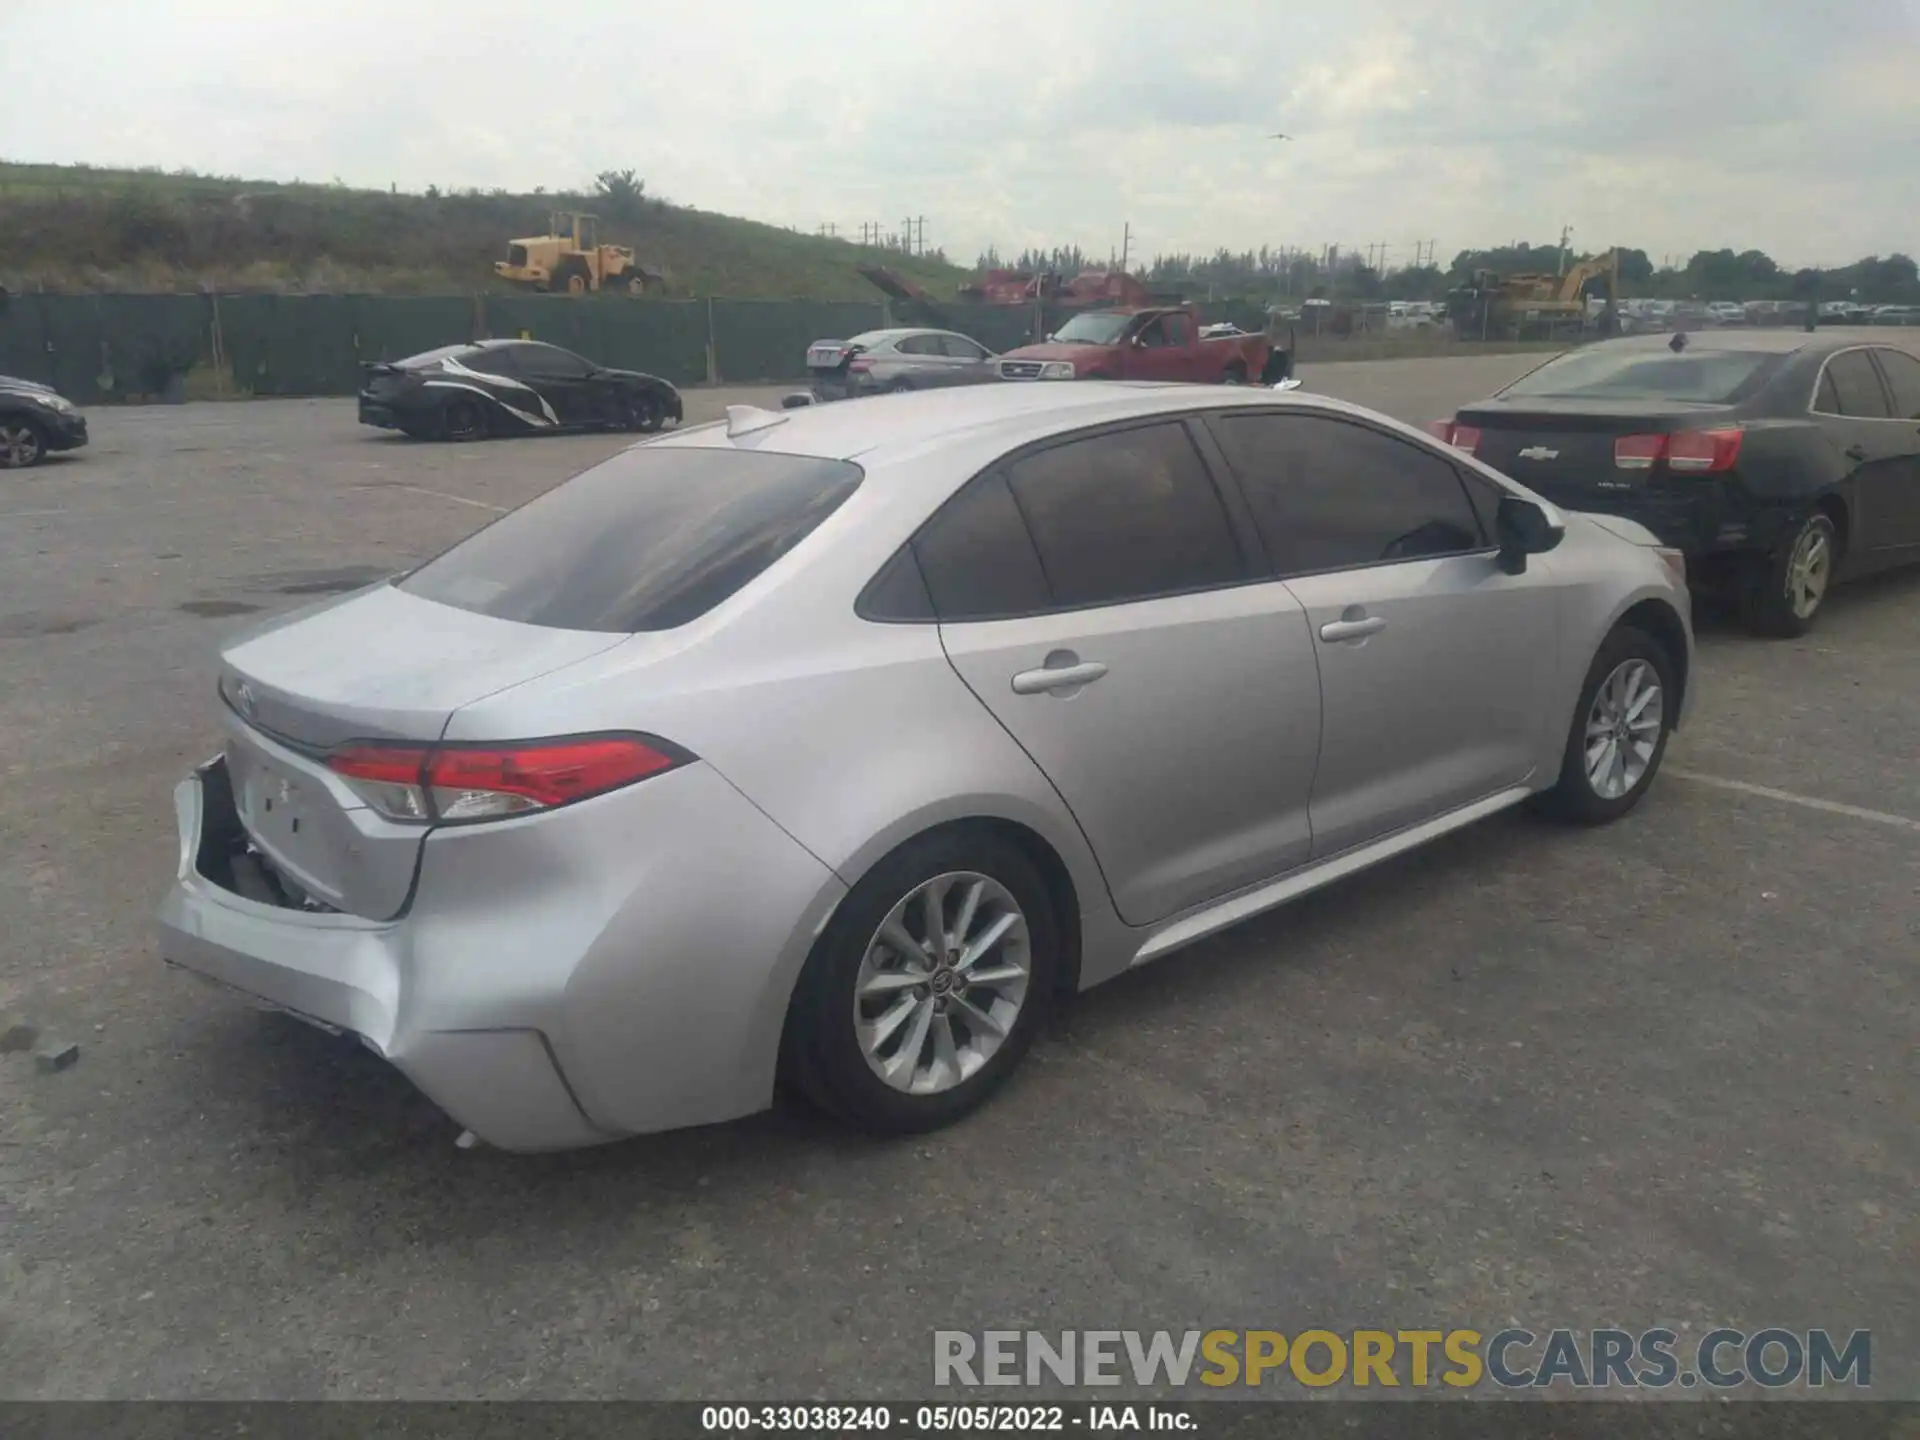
x: 837, y: 745
x: 880, y: 362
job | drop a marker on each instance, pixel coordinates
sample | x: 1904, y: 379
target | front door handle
x: 1070, y: 676
x: 1335, y: 631
x: 1856, y: 453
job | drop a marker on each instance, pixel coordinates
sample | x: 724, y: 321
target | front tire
x: 928, y: 986
x: 21, y: 444
x: 641, y: 414
x: 1619, y: 733
x: 1791, y: 586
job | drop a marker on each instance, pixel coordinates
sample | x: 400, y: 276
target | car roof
x: 1766, y: 342
x: 984, y: 419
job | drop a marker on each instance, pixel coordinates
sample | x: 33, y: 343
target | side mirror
x: 1523, y: 529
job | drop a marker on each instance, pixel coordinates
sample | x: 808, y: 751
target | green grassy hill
x: 75, y: 228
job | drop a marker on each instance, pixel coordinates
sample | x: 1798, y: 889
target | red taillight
x: 1638, y: 452
x: 1703, y: 452
x: 1441, y: 430
x: 1687, y: 452
x: 482, y: 782
x: 1465, y: 437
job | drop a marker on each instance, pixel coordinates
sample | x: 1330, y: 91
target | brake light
x: 1638, y: 452
x: 1688, y: 452
x: 1441, y: 430
x: 459, y: 782
x: 1466, y: 438
x: 1703, y: 452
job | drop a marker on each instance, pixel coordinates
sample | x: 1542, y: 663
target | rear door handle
x: 1856, y: 453
x: 1063, y: 677
x: 1335, y: 631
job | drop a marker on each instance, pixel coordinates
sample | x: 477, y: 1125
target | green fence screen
x: 768, y: 339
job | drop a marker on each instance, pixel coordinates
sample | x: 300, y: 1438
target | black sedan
x: 35, y: 422
x: 1780, y: 462
x: 510, y: 387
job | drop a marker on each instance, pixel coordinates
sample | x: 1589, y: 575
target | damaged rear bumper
x: 346, y: 974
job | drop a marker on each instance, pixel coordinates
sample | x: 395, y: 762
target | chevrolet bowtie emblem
x: 1539, y: 452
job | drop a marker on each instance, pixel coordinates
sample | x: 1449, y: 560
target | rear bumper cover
x: 557, y: 981
x: 1703, y: 520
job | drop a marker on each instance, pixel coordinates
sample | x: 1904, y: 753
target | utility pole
x: 1565, y: 232
x: 1126, y: 244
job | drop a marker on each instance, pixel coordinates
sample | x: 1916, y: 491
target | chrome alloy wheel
x: 1623, y: 729
x: 1808, y: 571
x: 942, y: 982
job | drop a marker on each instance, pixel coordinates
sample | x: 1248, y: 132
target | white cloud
x: 1671, y: 126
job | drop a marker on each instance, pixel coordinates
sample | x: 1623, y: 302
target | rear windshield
x: 653, y: 538
x: 434, y: 357
x: 1706, y: 377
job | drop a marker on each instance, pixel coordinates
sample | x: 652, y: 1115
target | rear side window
x: 919, y: 345
x: 650, y: 540
x: 1125, y: 516
x: 1903, y: 378
x: 1327, y: 495
x: 978, y: 559
x: 1856, y: 386
x: 1702, y: 376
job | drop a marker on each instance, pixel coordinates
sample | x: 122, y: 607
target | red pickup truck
x: 1155, y: 344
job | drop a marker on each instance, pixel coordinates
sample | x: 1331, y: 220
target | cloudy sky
x: 1792, y: 126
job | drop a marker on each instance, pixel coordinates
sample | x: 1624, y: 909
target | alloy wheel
x: 942, y: 982
x: 19, y: 446
x: 1623, y: 729
x: 1809, y: 569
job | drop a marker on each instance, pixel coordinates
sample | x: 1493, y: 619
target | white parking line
x: 1806, y: 802
x: 457, y: 499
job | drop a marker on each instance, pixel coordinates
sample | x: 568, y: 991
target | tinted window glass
x: 1711, y: 377
x: 492, y: 361
x: 1827, y: 402
x: 961, y: 348
x: 1327, y: 495
x: 978, y: 558
x: 1856, y: 386
x: 898, y: 592
x: 1903, y: 375
x: 919, y: 345
x: 551, y: 362
x: 1177, y: 329
x: 1126, y: 515
x: 649, y: 540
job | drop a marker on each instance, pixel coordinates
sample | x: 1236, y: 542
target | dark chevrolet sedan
x: 1779, y: 462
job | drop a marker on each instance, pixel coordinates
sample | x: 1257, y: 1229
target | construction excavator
x: 1535, y: 306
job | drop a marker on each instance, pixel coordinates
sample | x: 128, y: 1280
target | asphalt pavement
x: 1661, y: 1073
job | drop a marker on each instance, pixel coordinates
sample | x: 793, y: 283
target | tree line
x: 1284, y: 272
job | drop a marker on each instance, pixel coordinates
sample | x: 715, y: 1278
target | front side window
x: 1124, y: 516
x: 958, y: 347
x: 1903, y: 378
x: 649, y: 540
x: 550, y: 362
x: 1330, y: 495
x: 918, y: 345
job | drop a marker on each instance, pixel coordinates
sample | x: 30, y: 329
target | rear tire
x: 1612, y: 751
x: 949, y: 1043
x: 21, y: 444
x: 463, y: 420
x: 1787, y: 594
x: 1234, y: 374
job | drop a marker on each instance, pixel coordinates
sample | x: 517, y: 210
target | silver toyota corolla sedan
x: 836, y: 745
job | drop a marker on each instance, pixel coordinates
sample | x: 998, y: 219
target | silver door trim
x: 1248, y: 903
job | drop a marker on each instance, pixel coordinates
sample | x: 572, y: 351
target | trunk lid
x: 1564, y: 452
x: 376, y: 665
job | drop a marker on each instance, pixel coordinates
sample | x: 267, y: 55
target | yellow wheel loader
x: 570, y: 260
